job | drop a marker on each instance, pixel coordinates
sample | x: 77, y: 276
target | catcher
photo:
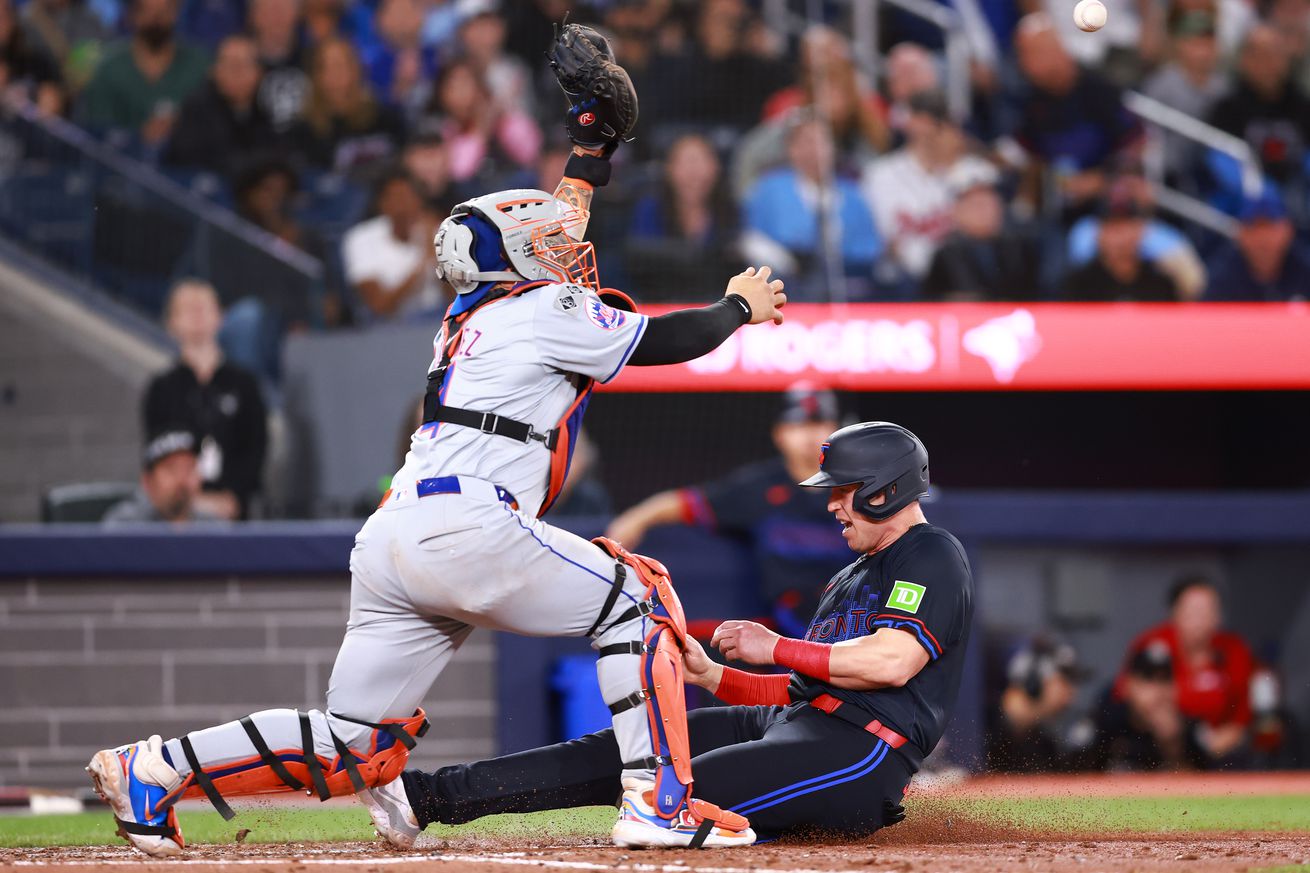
x: 458, y: 541
x: 830, y: 746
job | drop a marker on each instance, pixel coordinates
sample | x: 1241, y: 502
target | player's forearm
x: 863, y: 664
x: 584, y: 173
x: 687, y: 334
x: 658, y: 509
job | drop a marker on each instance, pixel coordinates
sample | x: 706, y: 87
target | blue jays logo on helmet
x: 604, y: 317
x: 823, y: 455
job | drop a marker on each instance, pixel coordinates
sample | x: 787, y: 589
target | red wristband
x: 812, y: 659
x: 741, y: 688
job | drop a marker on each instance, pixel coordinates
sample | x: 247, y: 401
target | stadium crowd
x: 753, y: 145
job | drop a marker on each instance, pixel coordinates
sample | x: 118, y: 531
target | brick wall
x: 86, y: 664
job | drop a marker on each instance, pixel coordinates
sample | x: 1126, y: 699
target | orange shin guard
x: 301, y: 769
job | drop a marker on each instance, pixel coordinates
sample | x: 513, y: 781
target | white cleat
x: 135, y: 780
x: 393, y: 817
x: 697, y: 825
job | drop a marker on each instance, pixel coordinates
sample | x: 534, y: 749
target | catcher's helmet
x: 512, y: 236
x: 877, y: 456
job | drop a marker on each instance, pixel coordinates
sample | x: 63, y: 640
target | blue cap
x: 1267, y: 206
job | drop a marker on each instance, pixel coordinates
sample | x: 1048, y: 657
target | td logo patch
x: 905, y: 596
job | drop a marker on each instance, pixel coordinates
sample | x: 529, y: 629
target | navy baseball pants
x: 789, y: 769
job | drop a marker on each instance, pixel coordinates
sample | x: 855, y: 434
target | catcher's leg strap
x: 302, y: 769
x: 661, y: 680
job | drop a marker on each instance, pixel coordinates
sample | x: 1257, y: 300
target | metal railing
x: 131, y: 230
x: 1163, y: 117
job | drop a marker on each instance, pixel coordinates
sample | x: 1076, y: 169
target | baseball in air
x: 1089, y: 15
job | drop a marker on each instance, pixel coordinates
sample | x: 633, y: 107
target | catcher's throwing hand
x: 745, y: 641
x: 765, y: 298
x: 603, y: 101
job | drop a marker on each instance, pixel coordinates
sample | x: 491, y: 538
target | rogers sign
x: 979, y: 346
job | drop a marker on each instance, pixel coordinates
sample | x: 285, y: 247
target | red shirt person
x: 1211, y: 667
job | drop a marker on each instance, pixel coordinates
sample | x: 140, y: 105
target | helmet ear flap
x: 453, y: 246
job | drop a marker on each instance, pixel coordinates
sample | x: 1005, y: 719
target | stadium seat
x: 83, y: 501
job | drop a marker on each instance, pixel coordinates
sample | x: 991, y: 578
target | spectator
x: 1266, y: 108
x: 344, y: 19
x: 1072, y: 121
x: 1190, y: 82
x: 908, y: 191
x: 1210, y: 670
x: 428, y: 161
x: 344, y: 127
x: 1119, y: 272
x: 1268, y: 262
x: 223, y: 123
x: 399, y: 66
x: 1038, y: 730
x: 910, y: 70
x: 686, y: 231
x: 483, y: 139
x: 796, y: 546
x: 1291, y: 18
x: 264, y: 191
x: 830, y: 87
x: 139, y: 86
x: 215, y: 400
x: 388, y: 259
x: 720, y: 80
x: 785, y: 220
x: 482, y: 39
x: 1139, y: 726
x: 28, y: 75
x: 982, y: 259
x: 284, y: 88
x: 1165, y: 247
x: 68, y: 31
x: 170, y: 485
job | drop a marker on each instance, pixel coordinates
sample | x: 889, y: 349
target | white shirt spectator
x: 371, y: 251
x: 913, y: 206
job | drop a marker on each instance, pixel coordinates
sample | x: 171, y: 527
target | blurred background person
x: 788, y: 209
x: 1118, y: 271
x: 1210, y: 672
x: 274, y: 25
x: 1038, y: 728
x: 29, y: 75
x: 388, y: 259
x: 908, y: 190
x: 139, y: 86
x: 223, y: 122
x: 911, y: 69
x: 1266, y: 261
x: 684, y: 230
x: 1190, y: 80
x: 1139, y: 726
x: 1072, y: 122
x: 70, y: 32
x: 984, y: 257
x: 213, y: 399
x: 796, y: 545
x: 1266, y: 108
x: 481, y: 40
x: 169, y: 490
x: 483, y: 139
x: 344, y: 127
x: 399, y: 66
x: 428, y: 161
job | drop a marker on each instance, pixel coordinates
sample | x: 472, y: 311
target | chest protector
x: 559, y: 440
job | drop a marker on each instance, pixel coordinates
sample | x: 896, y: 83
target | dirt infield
x: 924, y: 843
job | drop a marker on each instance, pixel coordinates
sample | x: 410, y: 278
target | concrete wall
x: 87, y: 664
x: 71, y: 382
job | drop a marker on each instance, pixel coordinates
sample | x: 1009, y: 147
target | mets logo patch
x: 604, y: 317
x: 823, y: 455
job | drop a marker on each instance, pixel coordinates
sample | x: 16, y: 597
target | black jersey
x: 920, y: 584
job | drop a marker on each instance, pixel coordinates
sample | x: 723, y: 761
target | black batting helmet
x: 879, y: 457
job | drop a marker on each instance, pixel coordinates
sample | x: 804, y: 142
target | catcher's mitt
x: 603, y: 103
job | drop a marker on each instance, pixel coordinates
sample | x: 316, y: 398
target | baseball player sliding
x: 458, y: 541
x: 829, y: 746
